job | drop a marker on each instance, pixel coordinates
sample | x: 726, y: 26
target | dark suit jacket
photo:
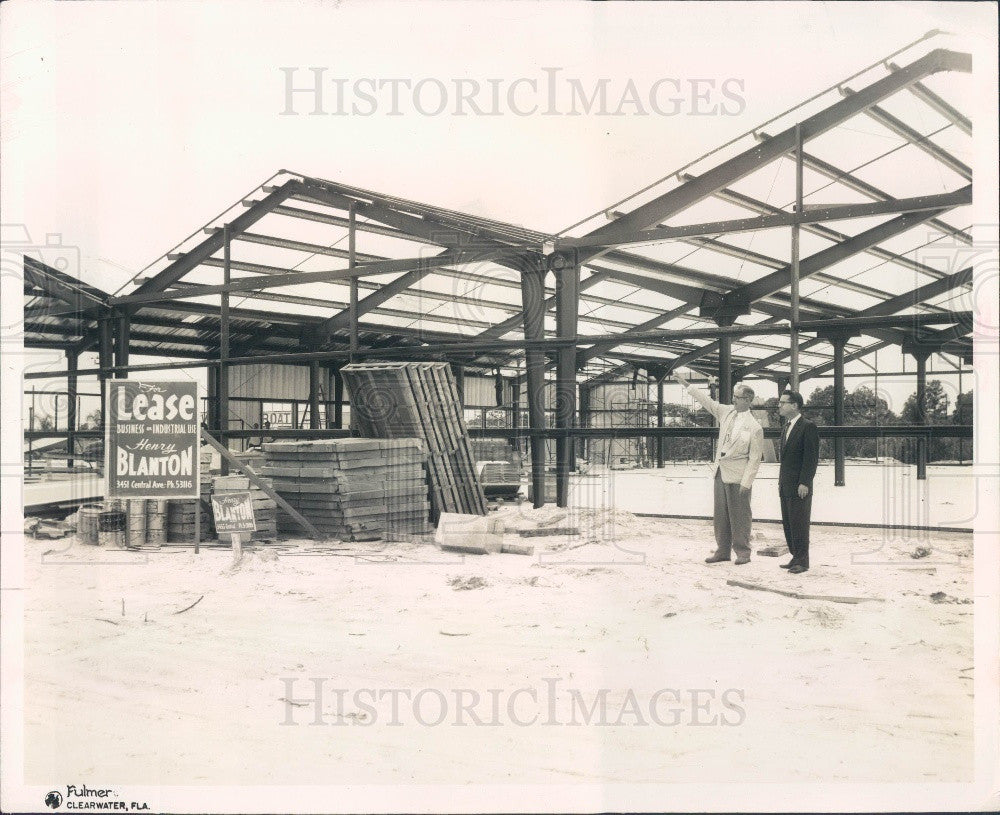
x: 799, y: 456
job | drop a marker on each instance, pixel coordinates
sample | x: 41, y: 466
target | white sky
x: 127, y: 126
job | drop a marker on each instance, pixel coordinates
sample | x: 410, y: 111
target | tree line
x: 861, y: 407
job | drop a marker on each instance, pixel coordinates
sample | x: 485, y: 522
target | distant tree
x: 963, y: 414
x: 92, y: 421
x: 936, y: 412
x: 935, y: 405
x: 861, y: 407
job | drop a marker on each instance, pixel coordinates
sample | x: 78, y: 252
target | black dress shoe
x: 798, y: 569
x: 716, y: 558
x: 792, y: 562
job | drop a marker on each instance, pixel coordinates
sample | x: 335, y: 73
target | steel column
x: 838, y: 407
x: 796, y: 230
x: 567, y: 311
x: 338, y: 399
x: 222, y: 391
x: 314, y: 389
x: 921, y: 418
x: 533, y: 302
x: 458, y: 370
x: 515, y: 401
x: 659, y: 420
x: 725, y: 363
x: 71, y: 419
x: 105, y: 360
x: 352, y: 258
x: 585, y: 418
x: 122, y: 330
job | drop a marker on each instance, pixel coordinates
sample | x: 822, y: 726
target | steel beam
x: 212, y: 244
x: 833, y: 212
x: 726, y: 173
x: 936, y: 103
x: 918, y: 140
x: 852, y: 182
x: 825, y: 258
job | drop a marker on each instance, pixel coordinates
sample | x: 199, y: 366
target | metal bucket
x: 87, y: 525
x: 136, y: 522
x: 111, y: 528
x: 156, y: 522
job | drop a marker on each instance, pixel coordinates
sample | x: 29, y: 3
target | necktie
x: 729, y: 430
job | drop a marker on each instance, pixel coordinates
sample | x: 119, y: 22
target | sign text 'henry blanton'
x: 151, y: 442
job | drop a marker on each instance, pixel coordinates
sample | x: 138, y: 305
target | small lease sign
x: 233, y: 512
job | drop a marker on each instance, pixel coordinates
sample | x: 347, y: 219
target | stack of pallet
x: 180, y: 512
x: 265, y: 510
x: 391, y: 400
x: 351, y: 489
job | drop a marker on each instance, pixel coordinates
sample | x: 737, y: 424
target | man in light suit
x: 799, y: 459
x: 737, y: 458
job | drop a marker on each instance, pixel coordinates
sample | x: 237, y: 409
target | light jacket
x: 739, y: 459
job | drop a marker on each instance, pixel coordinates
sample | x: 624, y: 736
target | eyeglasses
x: 742, y: 397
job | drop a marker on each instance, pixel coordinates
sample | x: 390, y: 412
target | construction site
x: 444, y: 507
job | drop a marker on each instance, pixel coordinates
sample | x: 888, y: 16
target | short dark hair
x: 796, y: 397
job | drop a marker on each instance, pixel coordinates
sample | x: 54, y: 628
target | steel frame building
x: 700, y: 269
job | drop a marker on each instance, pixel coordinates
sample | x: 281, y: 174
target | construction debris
x: 472, y: 534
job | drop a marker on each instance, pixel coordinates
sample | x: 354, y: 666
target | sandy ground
x: 745, y: 685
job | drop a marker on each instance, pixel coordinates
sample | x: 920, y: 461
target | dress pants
x: 795, y: 513
x: 732, y: 519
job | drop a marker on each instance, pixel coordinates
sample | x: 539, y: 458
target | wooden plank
x: 799, y: 596
x: 450, y: 500
x: 445, y: 417
x: 261, y: 484
x: 467, y: 459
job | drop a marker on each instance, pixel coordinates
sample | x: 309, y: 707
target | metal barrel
x: 111, y: 528
x: 136, y: 522
x: 156, y: 521
x: 87, y: 525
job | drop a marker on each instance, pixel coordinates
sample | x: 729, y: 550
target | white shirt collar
x: 792, y: 422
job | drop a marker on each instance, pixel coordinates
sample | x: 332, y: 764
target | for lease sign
x: 233, y: 512
x: 152, y: 439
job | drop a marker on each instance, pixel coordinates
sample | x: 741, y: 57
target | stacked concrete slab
x: 265, y: 509
x: 351, y: 489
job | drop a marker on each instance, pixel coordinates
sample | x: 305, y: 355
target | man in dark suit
x: 799, y: 456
